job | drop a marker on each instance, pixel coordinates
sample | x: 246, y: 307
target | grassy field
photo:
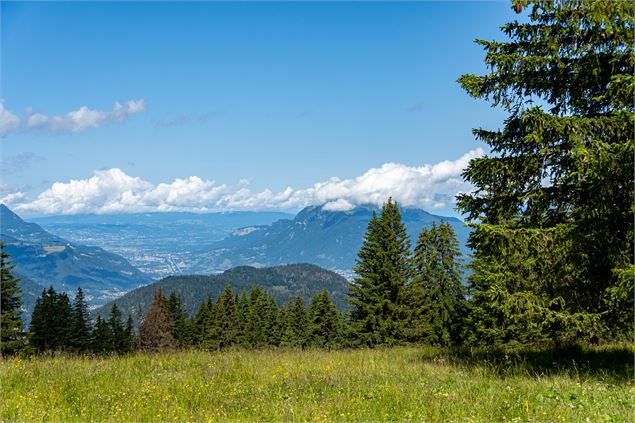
x: 405, y: 383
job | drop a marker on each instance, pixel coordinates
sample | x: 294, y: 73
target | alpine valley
x: 133, y: 250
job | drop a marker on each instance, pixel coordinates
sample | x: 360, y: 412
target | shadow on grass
x: 611, y: 362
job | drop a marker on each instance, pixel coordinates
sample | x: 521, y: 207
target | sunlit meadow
x: 403, y: 383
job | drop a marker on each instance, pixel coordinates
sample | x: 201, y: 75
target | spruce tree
x: 242, y: 314
x: 102, y: 337
x: 383, y: 269
x: 435, y: 299
x: 41, y: 328
x: 51, y: 322
x: 12, y: 337
x: 225, y: 321
x: 120, y: 341
x: 62, y: 322
x: 80, y: 331
x: 553, y: 205
x: 324, y: 321
x: 295, y: 325
x: 183, y: 332
x: 156, y: 328
x: 204, y: 323
x: 273, y: 324
x: 256, y: 335
x: 129, y: 338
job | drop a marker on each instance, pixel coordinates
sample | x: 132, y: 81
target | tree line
x: 398, y: 297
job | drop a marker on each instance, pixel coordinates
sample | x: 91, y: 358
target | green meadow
x: 399, y: 383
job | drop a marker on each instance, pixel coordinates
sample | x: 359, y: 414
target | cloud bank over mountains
x: 431, y: 187
x: 76, y: 121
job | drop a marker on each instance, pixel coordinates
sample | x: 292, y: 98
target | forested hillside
x: 282, y: 282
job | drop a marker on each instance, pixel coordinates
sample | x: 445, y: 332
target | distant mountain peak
x: 328, y: 238
x: 7, y: 215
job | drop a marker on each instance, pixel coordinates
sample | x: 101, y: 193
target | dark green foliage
x: 296, y: 325
x: 273, y: 323
x: 62, y: 322
x: 120, y: 334
x: 12, y: 337
x: 51, y: 322
x: 242, y: 313
x: 281, y: 282
x: 256, y: 335
x: 156, y: 329
x: 383, y: 269
x: 324, y: 322
x: 102, y: 341
x: 434, y: 298
x: 204, y: 324
x: 225, y: 319
x: 553, y: 206
x: 130, y: 340
x: 80, y: 332
x: 183, y: 328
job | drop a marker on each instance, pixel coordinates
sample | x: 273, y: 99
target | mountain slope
x: 326, y: 238
x: 30, y: 292
x: 45, y: 259
x: 283, y: 282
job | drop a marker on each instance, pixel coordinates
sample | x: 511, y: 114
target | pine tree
x: 129, y: 337
x: 273, y: 324
x: 255, y: 332
x: 553, y: 206
x: 296, y: 325
x: 51, y: 322
x: 156, y: 328
x: 183, y: 332
x: 12, y: 337
x: 102, y: 337
x: 225, y: 321
x: 383, y: 269
x: 40, y: 330
x: 80, y: 331
x: 120, y: 341
x: 62, y: 322
x: 204, y: 323
x: 324, y: 321
x: 242, y: 315
x: 434, y: 298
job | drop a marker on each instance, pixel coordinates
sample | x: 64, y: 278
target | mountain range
x: 330, y: 239
x: 139, y: 249
x: 158, y: 244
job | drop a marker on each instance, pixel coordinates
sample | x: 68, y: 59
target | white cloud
x: 11, y: 197
x: 84, y: 118
x: 431, y: 187
x: 8, y: 121
x: 339, y: 205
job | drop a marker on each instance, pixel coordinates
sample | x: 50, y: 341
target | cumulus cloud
x: 431, y: 187
x: 11, y: 197
x: 84, y: 117
x: 8, y: 121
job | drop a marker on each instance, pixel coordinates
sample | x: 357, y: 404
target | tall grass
x: 403, y: 383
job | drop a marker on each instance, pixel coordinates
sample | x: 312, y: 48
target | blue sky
x: 280, y: 94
